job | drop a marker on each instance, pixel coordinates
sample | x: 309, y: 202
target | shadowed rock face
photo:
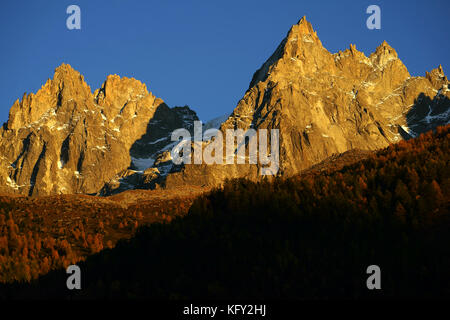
x: 64, y: 139
x: 325, y: 103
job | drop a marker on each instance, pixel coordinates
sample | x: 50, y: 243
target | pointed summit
x: 116, y: 90
x: 383, y: 54
x: 353, y: 49
x: 65, y: 71
x: 439, y: 71
x: 302, y: 20
x: 67, y: 77
x: 385, y: 49
x: 66, y: 85
x: 436, y: 76
x: 304, y: 26
x: 303, y: 31
x: 64, y: 68
x: 301, y: 46
x: 70, y: 80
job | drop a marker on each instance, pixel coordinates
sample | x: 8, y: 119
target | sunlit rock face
x: 325, y: 103
x: 66, y: 139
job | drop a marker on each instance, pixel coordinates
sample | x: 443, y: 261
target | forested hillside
x: 38, y: 235
x: 305, y: 237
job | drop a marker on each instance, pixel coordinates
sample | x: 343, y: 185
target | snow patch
x: 62, y: 127
x: 439, y: 117
x: 11, y: 183
x: 159, y: 140
x: 142, y: 163
x: 101, y: 148
x: 409, y: 131
x: 307, y: 39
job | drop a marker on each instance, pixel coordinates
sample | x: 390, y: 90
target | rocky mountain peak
x: 325, y: 104
x: 64, y: 139
x: 355, y: 52
x: 304, y: 28
x: 383, y: 54
x: 120, y: 89
x: 301, y: 51
x: 437, y: 76
x: 67, y: 85
x: 384, y: 47
x: 300, y: 41
x: 66, y: 72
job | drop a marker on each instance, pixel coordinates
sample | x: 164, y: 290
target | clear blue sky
x: 199, y: 53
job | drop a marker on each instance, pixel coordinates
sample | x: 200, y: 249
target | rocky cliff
x: 66, y: 139
x: 325, y: 104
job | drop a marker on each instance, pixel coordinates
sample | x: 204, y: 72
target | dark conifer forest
x: 305, y: 237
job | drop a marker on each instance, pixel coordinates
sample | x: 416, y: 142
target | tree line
x: 298, y: 238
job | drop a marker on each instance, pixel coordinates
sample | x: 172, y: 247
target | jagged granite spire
x: 65, y: 139
x: 325, y: 104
